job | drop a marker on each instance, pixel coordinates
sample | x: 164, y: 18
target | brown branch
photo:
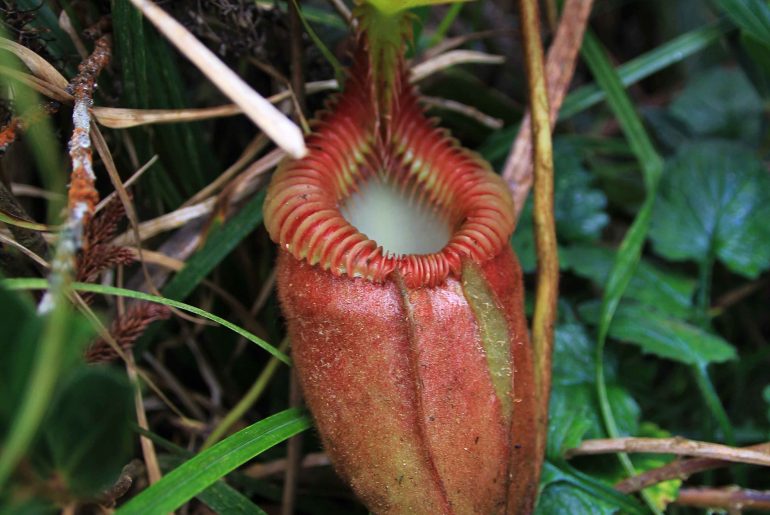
x: 541, y: 157
x: 679, y: 469
x: 731, y: 498
x: 82, y: 195
x: 677, y: 446
x: 128, y: 475
x: 559, y: 67
x: 82, y: 192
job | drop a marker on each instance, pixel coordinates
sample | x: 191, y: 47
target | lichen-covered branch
x: 82, y: 196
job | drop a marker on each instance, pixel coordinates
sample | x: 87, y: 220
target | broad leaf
x: 650, y: 285
x: 714, y: 200
x: 567, y: 491
x: 87, y: 439
x: 720, y: 102
x: 562, y: 498
x: 574, y: 413
x: 21, y: 331
x: 663, y: 336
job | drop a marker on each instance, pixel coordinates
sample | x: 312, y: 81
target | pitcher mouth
x: 353, y: 147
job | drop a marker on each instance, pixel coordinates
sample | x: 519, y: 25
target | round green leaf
x: 714, y: 200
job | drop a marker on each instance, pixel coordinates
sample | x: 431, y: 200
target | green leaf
x: 62, y: 334
x: 720, y: 102
x: 664, y: 336
x: 87, y: 439
x: 499, y: 142
x: 715, y: 201
x: 666, y: 291
x: 390, y: 7
x: 665, y: 492
x: 21, y: 332
x: 200, y: 472
x: 562, y: 498
x: 645, y: 65
x: 222, y: 498
x: 579, y: 208
x: 574, y: 412
x: 752, y: 16
x: 630, y: 249
x: 573, y: 360
x: 218, y: 245
x: 575, y: 493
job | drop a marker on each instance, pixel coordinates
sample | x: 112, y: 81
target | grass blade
x: 633, y: 71
x: 630, y: 249
x: 41, y: 284
x: 200, y: 472
x: 219, y: 244
x: 646, y: 65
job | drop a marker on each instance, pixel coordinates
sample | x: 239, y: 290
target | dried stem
x: 678, y: 446
x: 275, y: 124
x: 463, y: 109
x: 559, y: 68
x: 679, y: 469
x: 82, y: 194
x: 545, y: 226
x: 730, y: 498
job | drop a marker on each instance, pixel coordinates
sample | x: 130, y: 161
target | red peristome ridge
x: 353, y: 143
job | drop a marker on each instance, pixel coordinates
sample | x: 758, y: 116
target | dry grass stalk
x: 559, y: 67
x: 731, y: 498
x: 275, y: 124
x: 452, y: 58
x: 679, y: 469
x: 677, y: 446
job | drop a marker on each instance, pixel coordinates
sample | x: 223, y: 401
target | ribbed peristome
x: 354, y: 141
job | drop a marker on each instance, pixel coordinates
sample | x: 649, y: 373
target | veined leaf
x: 664, y: 336
x: 715, y: 201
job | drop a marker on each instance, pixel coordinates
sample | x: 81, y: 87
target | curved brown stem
x: 559, y: 67
x: 545, y: 227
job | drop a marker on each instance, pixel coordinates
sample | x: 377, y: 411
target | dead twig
x: 263, y: 470
x: 677, y: 446
x: 541, y: 157
x: 82, y: 195
x: 463, y: 109
x: 731, y: 498
x: 452, y: 58
x: 559, y: 67
x: 679, y: 469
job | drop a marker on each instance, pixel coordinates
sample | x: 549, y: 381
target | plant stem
x: 545, y: 226
x: 700, y: 371
x: 713, y: 402
x: 443, y: 27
